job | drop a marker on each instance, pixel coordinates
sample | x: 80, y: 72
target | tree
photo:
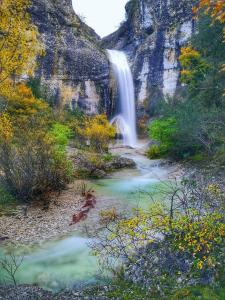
x: 19, y: 43
x: 19, y: 48
x: 216, y: 9
x: 194, y: 67
x: 163, y: 131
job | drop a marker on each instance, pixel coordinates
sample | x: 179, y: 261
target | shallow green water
x: 134, y: 186
x: 68, y: 261
x: 58, y: 264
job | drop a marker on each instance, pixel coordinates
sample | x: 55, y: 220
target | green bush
x: 188, y: 129
x: 32, y: 163
x: 163, y: 131
x: 107, y: 157
x: 153, y: 152
x: 193, y: 123
x: 7, y: 201
x: 61, y: 134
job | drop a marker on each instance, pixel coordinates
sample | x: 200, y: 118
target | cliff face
x: 152, y: 36
x: 74, y: 66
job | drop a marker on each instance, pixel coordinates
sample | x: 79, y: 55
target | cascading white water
x: 125, y: 121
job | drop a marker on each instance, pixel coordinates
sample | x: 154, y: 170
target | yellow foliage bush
x: 19, y: 44
x: 6, y: 129
x: 202, y: 238
x: 98, y: 131
x: 193, y: 66
x: 20, y: 100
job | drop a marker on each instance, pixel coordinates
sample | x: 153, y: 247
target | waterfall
x: 125, y: 121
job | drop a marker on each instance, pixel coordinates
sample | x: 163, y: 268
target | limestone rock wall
x: 152, y: 36
x: 75, y: 68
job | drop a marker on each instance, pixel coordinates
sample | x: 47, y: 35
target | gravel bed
x: 28, y: 292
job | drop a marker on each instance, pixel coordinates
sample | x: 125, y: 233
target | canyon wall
x: 152, y: 36
x: 74, y: 68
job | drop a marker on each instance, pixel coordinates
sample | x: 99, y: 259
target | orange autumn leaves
x: 193, y: 65
x: 215, y: 8
x: 20, y: 101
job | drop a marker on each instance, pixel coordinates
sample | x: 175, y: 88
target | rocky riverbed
x: 34, y: 224
x: 31, y: 223
x: 57, y: 254
x: 38, y: 225
x: 26, y: 292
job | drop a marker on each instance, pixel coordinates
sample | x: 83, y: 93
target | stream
x: 67, y: 261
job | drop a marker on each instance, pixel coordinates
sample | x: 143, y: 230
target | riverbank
x: 39, y: 225
x: 56, y: 255
x: 27, y: 292
x: 34, y: 225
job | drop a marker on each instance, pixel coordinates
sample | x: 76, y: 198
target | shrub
x: 171, y: 245
x: 188, y: 129
x: 98, y: 131
x: 30, y: 160
x: 153, y: 152
x: 194, y: 67
x: 107, y: 157
x: 21, y: 101
x: 61, y: 134
x: 163, y: 131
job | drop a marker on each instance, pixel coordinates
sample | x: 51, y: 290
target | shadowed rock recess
x: 152, y: 36
x: 74, y: 68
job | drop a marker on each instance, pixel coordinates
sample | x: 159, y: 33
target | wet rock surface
x: 96, y: 167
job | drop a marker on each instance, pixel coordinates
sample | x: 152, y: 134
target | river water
x: 65, y: 261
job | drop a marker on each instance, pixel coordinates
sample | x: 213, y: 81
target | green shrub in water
x: 153, y: 152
